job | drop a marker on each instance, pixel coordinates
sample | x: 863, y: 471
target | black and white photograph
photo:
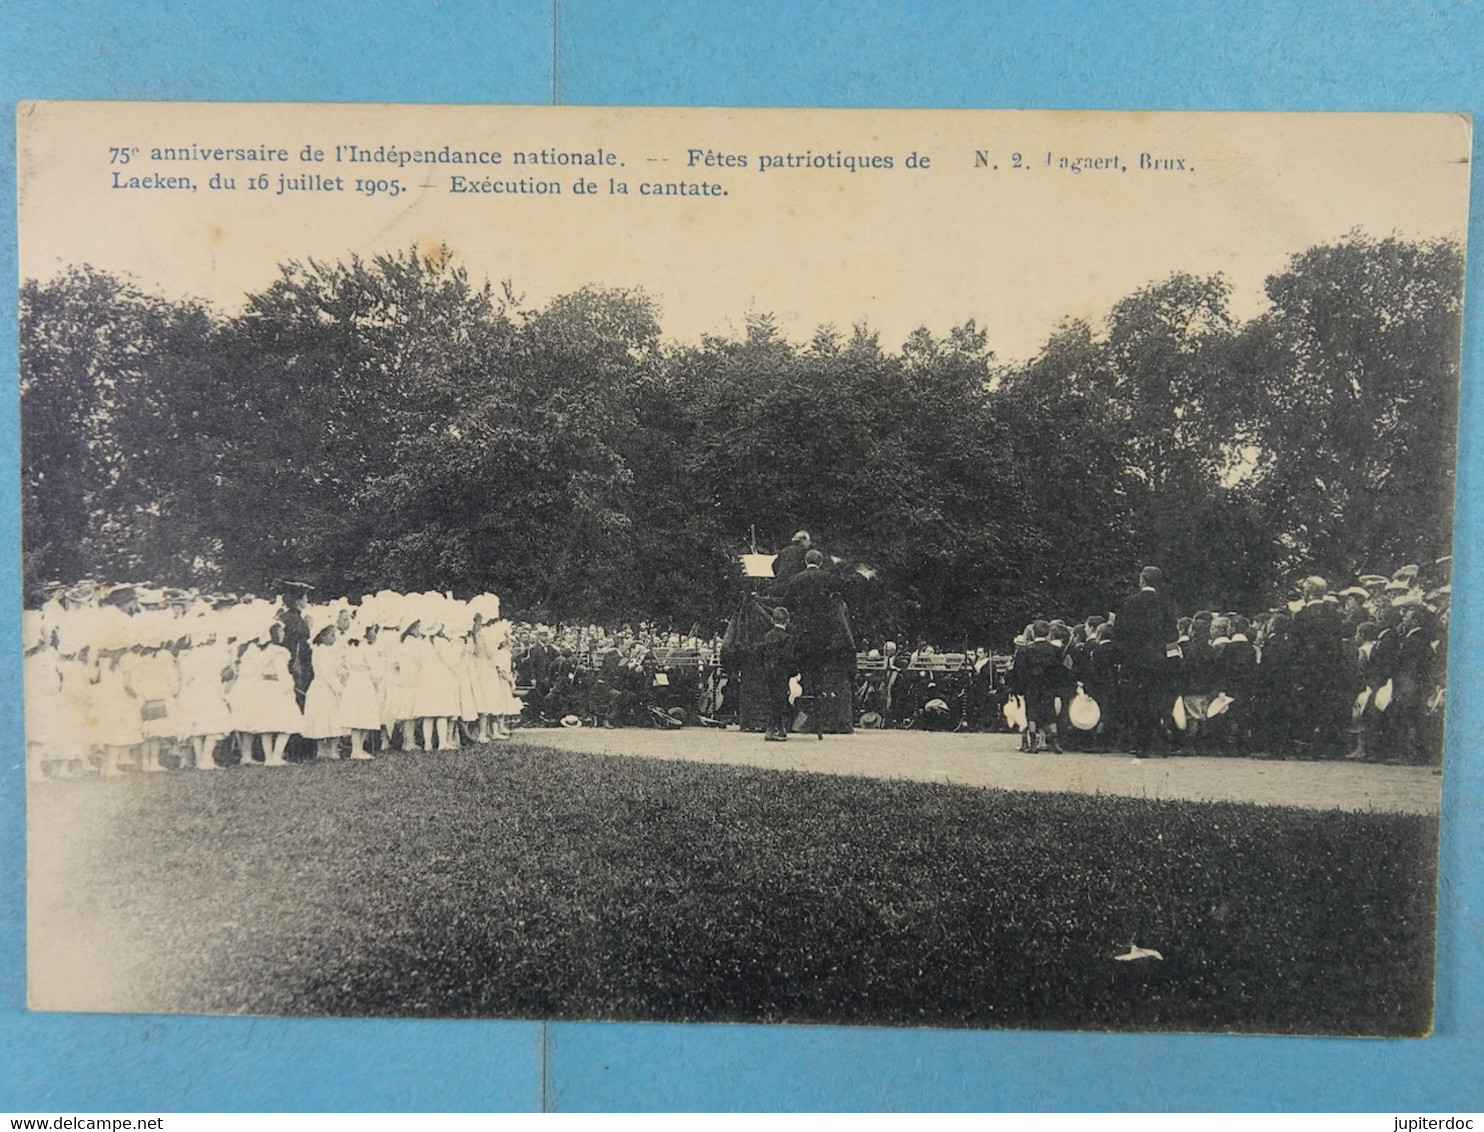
x: 957, y: 569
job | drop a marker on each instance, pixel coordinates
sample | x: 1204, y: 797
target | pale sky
x: 1018, y: 250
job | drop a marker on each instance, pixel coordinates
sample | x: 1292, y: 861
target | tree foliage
x: 390, y: 422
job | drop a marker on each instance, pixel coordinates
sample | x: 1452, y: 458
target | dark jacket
x: 1144, y: 626
x: 790, y: 561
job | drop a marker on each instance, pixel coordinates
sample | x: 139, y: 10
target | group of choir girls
x: 1366, y: 682
x: 117, y: 677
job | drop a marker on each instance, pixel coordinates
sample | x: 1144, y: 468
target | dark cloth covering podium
x: 742, y: 658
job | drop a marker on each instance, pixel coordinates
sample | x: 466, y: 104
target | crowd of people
x: 624, y: 677
x: 129, y: 677
x: 134, y: 677
x: 1358, y: 674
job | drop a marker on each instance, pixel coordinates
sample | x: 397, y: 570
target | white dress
x: 404, y: 663
x: 203, y: 698
x: 263, y: 698
x: 322, y: 701
x: 494, y: 641
x: 437, y: 688
x: 360, y: 701
x: 467, y: 673
x: 70, y: 729
x: 43, y: 697
x: 157, y: 684
x: 113, y: 709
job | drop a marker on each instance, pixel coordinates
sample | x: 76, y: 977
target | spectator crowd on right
x: 1359, y: 674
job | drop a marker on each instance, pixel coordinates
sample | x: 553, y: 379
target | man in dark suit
x: 1324, y: 690
x: 823, y: 644
x: 537, y: 667
x: 1415, y: 683
x: 790, y: 560
x: 1143, y: 629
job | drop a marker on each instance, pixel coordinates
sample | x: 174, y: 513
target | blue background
x: 1253, y: 55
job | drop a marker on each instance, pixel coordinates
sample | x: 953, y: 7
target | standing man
x: 790, y: 560
x: 1325, y: 690
x: 1143, y: 629
x: 779, y: 667
x: 538, y: 665
x: 295, y: 596
x: 824, y: 645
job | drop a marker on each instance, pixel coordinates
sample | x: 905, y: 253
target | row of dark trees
x: 392, y: 423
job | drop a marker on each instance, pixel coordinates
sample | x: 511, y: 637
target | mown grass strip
x: 527, y: 882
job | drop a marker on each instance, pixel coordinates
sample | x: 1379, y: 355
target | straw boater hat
x: 1084, y: 712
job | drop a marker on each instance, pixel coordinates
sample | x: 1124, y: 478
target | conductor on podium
x: 791, y: 560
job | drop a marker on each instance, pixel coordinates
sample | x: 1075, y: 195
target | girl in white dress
x: 322, y: 702
x: 507, y: 705
x: 204, y: 712
x: 156, y: 681
x: 494, y: 688
x: 114, y: 720
x: 360, y: 702
x: 70, y: 728
x: 42, y: 673
x: 404, y: 673
x: 263, y: 701
x: 471, y: 723
x: 437, y: 703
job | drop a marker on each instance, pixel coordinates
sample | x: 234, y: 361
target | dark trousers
x: 778, y: 706
x: 1149, y: 702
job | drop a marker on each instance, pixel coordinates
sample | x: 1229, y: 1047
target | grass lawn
x: 516, y: 881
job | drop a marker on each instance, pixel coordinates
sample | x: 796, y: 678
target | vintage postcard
x: 912, y: 568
